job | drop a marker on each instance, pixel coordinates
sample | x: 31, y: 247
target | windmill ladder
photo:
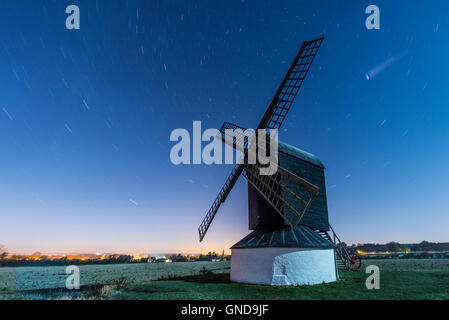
x: 342, y: 261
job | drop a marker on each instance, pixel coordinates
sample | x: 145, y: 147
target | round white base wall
x: 283, y: 266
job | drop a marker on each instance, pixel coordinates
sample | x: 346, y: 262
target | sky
x: 86, y: 116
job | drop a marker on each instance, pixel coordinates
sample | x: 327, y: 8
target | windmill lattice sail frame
x: 287, y: 193
x: 292, y: 83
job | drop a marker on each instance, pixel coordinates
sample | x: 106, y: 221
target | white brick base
x: 283, y: 266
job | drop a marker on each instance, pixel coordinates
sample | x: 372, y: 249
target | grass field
x: 49, y: 282
x: 399, y: 279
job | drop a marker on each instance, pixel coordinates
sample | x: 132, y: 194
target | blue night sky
x: 86, y: 116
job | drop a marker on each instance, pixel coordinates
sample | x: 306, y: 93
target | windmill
x: 291, y: 240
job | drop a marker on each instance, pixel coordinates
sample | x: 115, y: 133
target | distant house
x: 151, y: 259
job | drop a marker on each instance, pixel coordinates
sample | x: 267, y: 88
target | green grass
x: 418, y: 284
x: 399, y: 279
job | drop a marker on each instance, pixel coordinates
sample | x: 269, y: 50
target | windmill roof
x: 299, y: 237
x: 300, y: 154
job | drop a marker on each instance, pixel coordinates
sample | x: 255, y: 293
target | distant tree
x: 203, y: 258
x: 3, y: 252
x: 178, y: 258
x: 393, y: 246
x: 124, y: 259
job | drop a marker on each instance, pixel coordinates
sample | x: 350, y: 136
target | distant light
x: 367, y: 76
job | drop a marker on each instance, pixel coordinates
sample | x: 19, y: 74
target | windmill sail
x: 273, y: 118
x: 292, y: 83
x: 222, y: 195
x: 287, y: 193
x: 232, y: 126
x: 240, y: 138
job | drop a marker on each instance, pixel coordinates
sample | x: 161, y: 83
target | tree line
x: 423, y: 246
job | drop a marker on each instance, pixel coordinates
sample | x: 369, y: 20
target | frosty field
x: 26, y: 282
x: 400, y: 279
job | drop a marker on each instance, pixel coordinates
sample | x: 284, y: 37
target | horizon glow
x: 86, y: 117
